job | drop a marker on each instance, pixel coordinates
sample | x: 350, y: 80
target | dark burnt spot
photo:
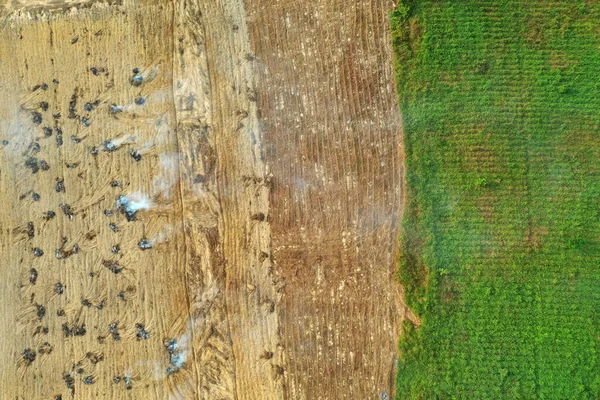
x: 258, y: 217
x: 55, y: 81
x: 30, y: 230
x: 73, y: 105
x: 94, y: 151
x: 74, y: 330
x: 115, y: 184
x: 33, y: 164
x: 267, y: 355
x: 37, y: 252
x: 67, y: 210
x: 141, y: 333
x: 59, y: 140
x: 144, y: 244
x: 116, y: 379
x: 110, y: 146
x: 115, y: 249
x: 72, y: 165
x: 135, y: 155
x: 45, y: 348
x: 60, y: 185
x: 113, y: 266
x: 70, y: 382
x: 89, y: 380
x: 113, y: 328
x: 49, y: 215
x: 41, y: 311
x: 86, y: 303
x: 56, y: 116
x: 90, y: 235
x: 33, y: 275
x: 44, y: 166
x: 36, y: 196
x: 59, y: 288
x: 47, y: 131
x: 75, y: 40
x: 140, y: 101
x: 29, y: 356
x: 113, y: 227
x: 137, y: 80
x: 101, y: 339
x: 44, y: 105
x: 85, y: 121
x: 115, y: 109
x: 101, y: 305
x: 36, y: 118
x: 108, y: 213
x: 135, y: 70
x: 94, y: 358
x: 34, y: 148
x: 44, y: 86
x: 97, y: 70
x: 61, y: 313
x: 41, y: 330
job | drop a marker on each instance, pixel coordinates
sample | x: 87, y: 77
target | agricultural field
x: 500, y: 241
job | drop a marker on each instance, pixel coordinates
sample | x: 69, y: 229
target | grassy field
x: 501, y: 235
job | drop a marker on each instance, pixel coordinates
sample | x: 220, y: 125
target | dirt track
x: 271, y: 168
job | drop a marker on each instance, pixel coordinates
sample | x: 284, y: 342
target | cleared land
x: 259, y: 143
x: 500, y: 239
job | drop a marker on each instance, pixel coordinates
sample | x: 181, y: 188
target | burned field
x: 500, y: 236
x: 195, y: 204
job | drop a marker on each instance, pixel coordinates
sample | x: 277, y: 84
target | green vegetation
x: 501, y: 235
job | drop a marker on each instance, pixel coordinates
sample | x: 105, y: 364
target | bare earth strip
x: 260, y: 144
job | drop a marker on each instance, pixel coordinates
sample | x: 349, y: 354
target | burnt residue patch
x: 36, y: 196
x: 49, y: 215
x: 73, y: 105
x: 176, y: 358
x: 94, y: 358
x: 109, y: 146
x: 30, y: 230
x: 45, y: 348
x: 29, y: 356
x: 33, y: 275
x: 136, y: 80
x: 113, y: 328
x: 59, y: 288
x: 141, y: 333
x: 86, y: 303
x: 40, y: 311
x: 144, y: 244
x: 33, y: 164
x: 67, y: 210
x: 113, y: 266
x: 89, y: 380
x: 44, y: 105
x: 60, y: 185
x: 136, y: 155
x: 44, y: 166
x: 70, y: 382
x: 37, y: 252
x: 74, y: 330
x: 47, y: 131
x: 36, y: 118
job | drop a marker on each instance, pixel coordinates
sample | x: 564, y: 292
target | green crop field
x: 501, y: 233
